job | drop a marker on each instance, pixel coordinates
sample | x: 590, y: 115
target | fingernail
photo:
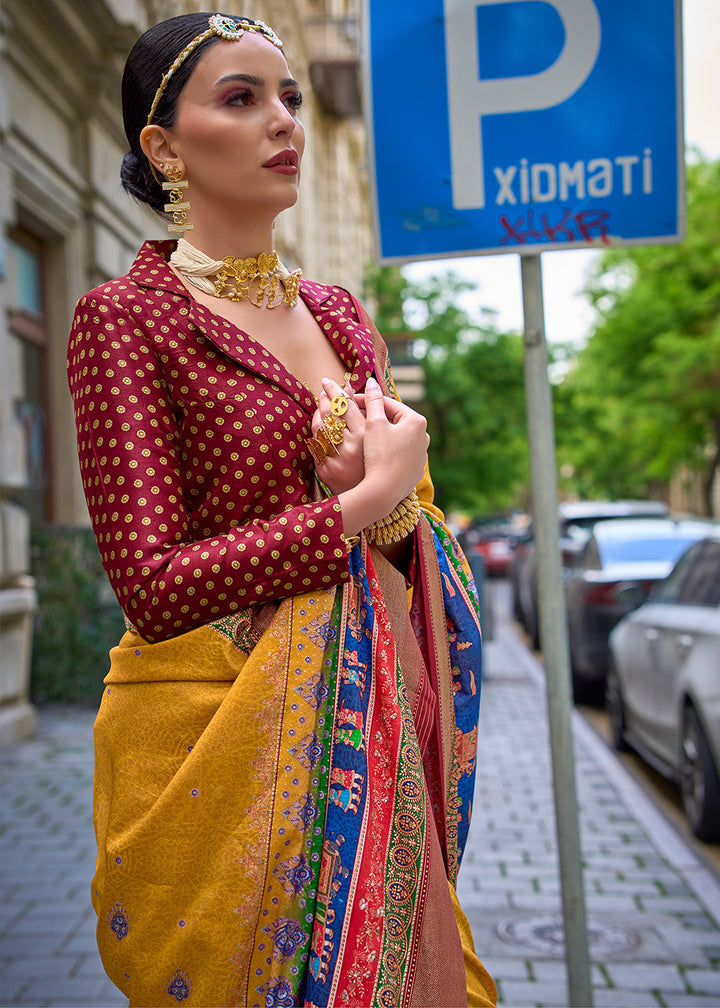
x: 371, y: 384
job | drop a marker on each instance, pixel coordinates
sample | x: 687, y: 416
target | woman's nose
x: 282, y: 120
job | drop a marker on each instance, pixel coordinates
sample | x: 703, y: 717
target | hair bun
x: 138, y: 180
x: 131, y: 163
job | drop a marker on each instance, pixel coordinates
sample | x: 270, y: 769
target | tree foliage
x: 78, y: 618
x: 474, y: 398
x: 644, y: 395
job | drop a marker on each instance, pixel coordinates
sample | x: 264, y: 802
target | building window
x: 28, y: 330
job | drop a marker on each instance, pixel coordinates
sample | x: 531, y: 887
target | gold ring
x: 326, y: 444
x: 334, y: 428
x: 339, y: 405
x: 317, y: 451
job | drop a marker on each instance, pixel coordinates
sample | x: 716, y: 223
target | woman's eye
x: 293, y: 100
x: 239, y: 98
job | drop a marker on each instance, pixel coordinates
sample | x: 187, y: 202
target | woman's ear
x: 156, y: 148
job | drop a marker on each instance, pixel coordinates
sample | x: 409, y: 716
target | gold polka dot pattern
x: 191, y: 439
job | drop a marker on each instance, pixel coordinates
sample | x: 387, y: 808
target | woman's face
x: 237, y: 128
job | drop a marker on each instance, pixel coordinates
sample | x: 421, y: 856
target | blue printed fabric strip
x: 465, y: 645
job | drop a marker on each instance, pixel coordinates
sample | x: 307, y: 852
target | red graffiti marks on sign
x: 584, y: 225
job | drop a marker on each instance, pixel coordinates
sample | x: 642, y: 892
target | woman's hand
x: 346, y: 469
x: 395, y: 445
x: 394, y: 449
x: 383, y: 439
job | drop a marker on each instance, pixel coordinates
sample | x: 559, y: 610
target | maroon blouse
x: 191, y: 439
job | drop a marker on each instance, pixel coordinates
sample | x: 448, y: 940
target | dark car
x: 613, y: 574
x: 575, y: 523
x: 663, y: 682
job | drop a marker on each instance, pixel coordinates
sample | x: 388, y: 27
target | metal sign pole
x: 553, y: 631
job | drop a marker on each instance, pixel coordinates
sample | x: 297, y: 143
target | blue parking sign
x: 523, y: 125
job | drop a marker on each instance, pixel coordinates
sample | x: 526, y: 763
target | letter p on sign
x: 470, y: 99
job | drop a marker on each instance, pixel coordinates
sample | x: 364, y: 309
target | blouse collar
x: 332, y: 307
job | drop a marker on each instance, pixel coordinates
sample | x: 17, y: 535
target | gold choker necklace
x: 263, y: 281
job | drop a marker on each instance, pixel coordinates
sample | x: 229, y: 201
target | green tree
x: 386, y: 289
x: 644, y: 396
x: 474, y: 398
x: 78, y: 618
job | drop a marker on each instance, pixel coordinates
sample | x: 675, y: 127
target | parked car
x: 663, y: 683
x: 575, y: 523
x: 491, y: 538
x: 613, y: 574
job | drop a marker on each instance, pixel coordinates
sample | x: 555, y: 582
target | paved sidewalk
x: 654, y: 909
x: 47, y: 926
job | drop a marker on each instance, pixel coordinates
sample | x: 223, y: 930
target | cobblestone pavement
x: 653, y: 907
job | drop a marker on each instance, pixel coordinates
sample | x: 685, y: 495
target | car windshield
x: 580, y: 528
x: 640, y: 550
x: 695, y: 579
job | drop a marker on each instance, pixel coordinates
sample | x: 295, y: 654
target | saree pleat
x: 282, y: 796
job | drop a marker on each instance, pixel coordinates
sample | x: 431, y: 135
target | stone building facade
x: 67, y: 226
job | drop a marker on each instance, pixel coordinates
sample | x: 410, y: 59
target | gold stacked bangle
x: 399, y: 523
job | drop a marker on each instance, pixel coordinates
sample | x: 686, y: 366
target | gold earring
x: 178, y: 205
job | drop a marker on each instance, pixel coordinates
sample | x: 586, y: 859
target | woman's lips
x: 283, y: 168
x: 285, y: 163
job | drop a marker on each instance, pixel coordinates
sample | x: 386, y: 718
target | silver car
x: 614, y: 573
x: 663, y: 685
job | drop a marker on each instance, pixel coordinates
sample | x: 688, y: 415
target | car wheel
x: 615, y: 707
x: 590, y: 692
x: 699, y: 780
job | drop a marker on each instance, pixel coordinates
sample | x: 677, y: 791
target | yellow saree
x: 264, y: 813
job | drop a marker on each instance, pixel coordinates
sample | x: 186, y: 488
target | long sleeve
x: 162, y: 468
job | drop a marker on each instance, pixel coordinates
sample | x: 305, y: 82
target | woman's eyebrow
x: 254, y: 81
x: 246, y: 78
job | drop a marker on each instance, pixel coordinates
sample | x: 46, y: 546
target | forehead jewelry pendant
x: 228, y: 28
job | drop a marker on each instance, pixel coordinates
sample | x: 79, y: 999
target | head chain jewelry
x: 224, y: 27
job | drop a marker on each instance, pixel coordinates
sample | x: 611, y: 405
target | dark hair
x: 150, y: 59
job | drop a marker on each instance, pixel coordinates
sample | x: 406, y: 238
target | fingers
x: 340, y: 461
x: 395, y: 410
x: 362, y: 407
x: 336, y: 446
x: 384, y: 440
x: 354, y: 420
x: 374, y: 401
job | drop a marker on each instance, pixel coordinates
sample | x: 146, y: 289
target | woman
x: 285, y: 747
